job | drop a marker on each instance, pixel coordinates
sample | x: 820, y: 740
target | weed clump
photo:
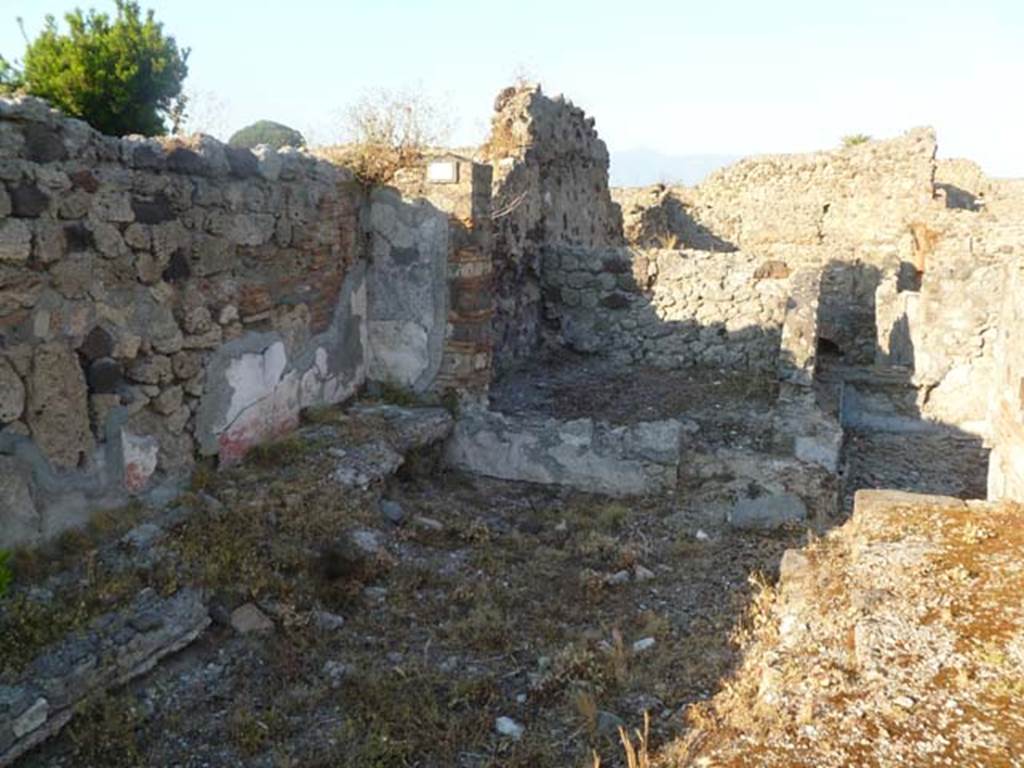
x: 103, y: 732
x: 6, y: 575
x: 278, y: 453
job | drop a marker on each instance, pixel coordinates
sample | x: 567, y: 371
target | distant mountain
x: 640, y: 167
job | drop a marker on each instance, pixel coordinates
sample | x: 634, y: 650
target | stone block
x: 591, y: 456
x: 58, y: 411
x: 12, y: 393
x: 28, y: 201
x: 15, y: 241
x: 20, y: 524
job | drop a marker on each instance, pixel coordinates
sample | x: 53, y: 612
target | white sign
x: 443, y: 172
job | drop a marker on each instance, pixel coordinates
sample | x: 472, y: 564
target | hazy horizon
x: 674, y: 81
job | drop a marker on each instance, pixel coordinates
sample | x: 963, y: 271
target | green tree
x: 122, y: 75
x: 10, y: 77
x: 267, y: 132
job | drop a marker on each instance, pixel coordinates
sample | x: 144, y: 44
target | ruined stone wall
x: 550, y: 188
x: 1006, y: 414
x: 406, y: 290
x: 667, y: 308
x: 461, y: 189
x: 943, y: 325
x: 160, y: 301
x: 848, y: 212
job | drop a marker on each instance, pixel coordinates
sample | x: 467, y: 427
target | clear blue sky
x: 716, y: 76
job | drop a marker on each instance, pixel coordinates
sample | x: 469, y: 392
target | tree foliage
x: 122, y: 74
x: 10, y: 77
x: 267, y: 132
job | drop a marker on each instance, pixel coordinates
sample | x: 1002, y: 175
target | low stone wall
x: 583, y: 453
x: 112, y: 650
x: 159, y: 300
x: 667, y: 308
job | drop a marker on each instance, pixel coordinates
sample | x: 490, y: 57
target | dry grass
x: 636, y: 754
x: 389, y: 130
x: 467, y: 620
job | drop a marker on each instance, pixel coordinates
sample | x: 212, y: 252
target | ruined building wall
x: 943, y: 327
x: 667, y: 308
x: 847, y: 212
x: 1006, y: 414
x: 550, y: 189
x: 161, y: 301
x: 461, y: 188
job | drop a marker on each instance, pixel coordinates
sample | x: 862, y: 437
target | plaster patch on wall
x: 140, y: 453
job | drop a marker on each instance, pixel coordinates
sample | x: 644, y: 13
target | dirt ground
x: 568, y: 613
x: 442, y: 620
x: 731, y: 407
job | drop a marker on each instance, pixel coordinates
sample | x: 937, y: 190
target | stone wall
x: 943, y: 327
x: 848, y: 212
x: 461, y: 188
x: 667, y: 308
x: 1006, y: 414
x: 550, y: 189
x: 407, y: 290
x: 163, y: 300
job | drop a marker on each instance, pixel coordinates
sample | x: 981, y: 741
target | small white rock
x: 335, y: 671
x: 903, y: 702
x: 328, y: 621
x: 642, y: 574
x: 619, y: 577
x: 702, y: 536
x: 427, y: 522
x: 643, y: 644
x: 506, y: 726
x: 366, y: 541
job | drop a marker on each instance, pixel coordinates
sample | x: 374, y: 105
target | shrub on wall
x: 122, y: 74
x: 389, y: 130
x: 855, y: 138
x: 267, y: 132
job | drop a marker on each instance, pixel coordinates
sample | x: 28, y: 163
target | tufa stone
x: 104, y: 376
x: 12, y: 393
x: 96, y: 344
x: 43, y: 144
x: 156, y: 210
x: 58, y: 410
x: 28, y: 201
